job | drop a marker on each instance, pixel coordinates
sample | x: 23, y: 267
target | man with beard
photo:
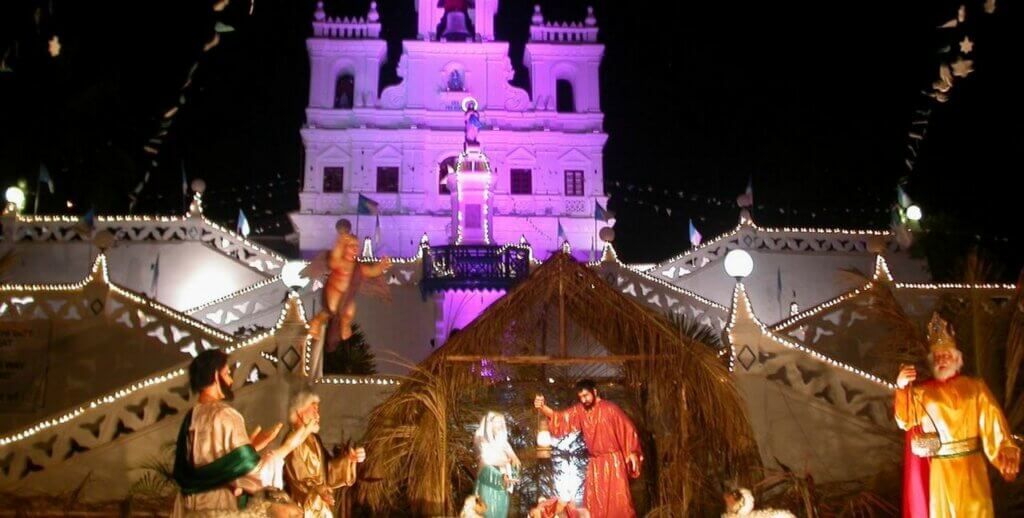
x: 217, y: 465
x: 312, y: 475
x: 613, y: 446
x: 970, y: 427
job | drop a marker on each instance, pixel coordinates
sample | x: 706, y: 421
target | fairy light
x: 102, y: 401
x: 740, y: 297
x: 248, y: 289
x: 955, y: 286
x: 749, y: 224
x: 357, y: 380
x: 194, y: 213
x: 99, y: 271
x: 609, y: 254
x: 882, y: 272
x: 821, y: 307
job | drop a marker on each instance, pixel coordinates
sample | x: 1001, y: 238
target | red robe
x: 915, y: 480
x: 610, y: 437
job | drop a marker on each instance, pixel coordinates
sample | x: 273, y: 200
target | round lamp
x: 914, y: 213
x: 291, y: 275
x: 16, y: 196
x: 739, y: 264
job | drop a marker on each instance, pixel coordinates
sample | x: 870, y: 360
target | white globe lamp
x: 291, y: 275
x: 15, y: 196
x: 739, y: 264
x: 914, y: 213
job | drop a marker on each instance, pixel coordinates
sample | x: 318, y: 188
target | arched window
x: 344, y: 92
x: 565, y: 101
x: 456, y: 81
x: 442, y: 174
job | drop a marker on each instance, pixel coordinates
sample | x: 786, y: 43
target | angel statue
x: 345, y: 279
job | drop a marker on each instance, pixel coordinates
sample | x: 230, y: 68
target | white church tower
x: 397, y: 145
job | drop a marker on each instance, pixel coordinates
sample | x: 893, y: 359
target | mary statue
x: 473, y: 123
x: 498, y: 465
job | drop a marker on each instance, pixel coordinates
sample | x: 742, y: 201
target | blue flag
x: 561, y: 233
x: 90, y: 219
x: 367, y: 206
x: 44, y: 176
x: 695, y: 237
x: 156, y: 276
x: 243, y: 224
x: 902, y: 198
x: 599, y: 213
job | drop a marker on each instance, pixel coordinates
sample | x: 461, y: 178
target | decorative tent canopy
x: 687, y: 408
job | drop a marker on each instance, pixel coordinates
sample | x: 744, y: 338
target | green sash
x: 214, y: 475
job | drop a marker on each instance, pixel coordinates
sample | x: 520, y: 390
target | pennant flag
x: 695, y: 237
x: 746, y: 200
x: 155, y: 268
x: 902, y: 198
x: 561, y: 233
x: 44, y: 176
x: 599, y: 213
x: 367, y: 206
x: 243, y: 224
x: 184, y: 180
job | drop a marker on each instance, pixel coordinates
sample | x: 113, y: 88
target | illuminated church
x: 468, y: 183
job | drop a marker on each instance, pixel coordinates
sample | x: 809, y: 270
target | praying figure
x: 498, y: 465
x: 311, y: 475
x: 219, y: 468
x: 613, y: 444
x: 343, y: 282
x: 472, y: 124
x: 961, y: 425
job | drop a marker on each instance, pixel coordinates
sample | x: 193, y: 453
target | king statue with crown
x: 954, y: 424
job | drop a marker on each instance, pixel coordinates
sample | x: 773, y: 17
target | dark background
x: 812, y: 100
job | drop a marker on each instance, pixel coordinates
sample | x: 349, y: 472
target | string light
x: 248, y: 289
x: 357, y: 380
x: 821, y: 307
x: 740, y: 296
x: 609, y: 254
x: 96, y: 403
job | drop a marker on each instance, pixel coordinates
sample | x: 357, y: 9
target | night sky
x: 813, y: 102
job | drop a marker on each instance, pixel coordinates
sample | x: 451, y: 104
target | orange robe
x: 610, y: 437
x: 971, y: 426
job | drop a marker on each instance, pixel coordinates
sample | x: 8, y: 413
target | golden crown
x: 940, y: 334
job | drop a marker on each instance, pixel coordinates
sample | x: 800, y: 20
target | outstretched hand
x: 259, y: 439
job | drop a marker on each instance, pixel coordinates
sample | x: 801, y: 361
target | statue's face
x: 587, y: 398
x: 310, y: 413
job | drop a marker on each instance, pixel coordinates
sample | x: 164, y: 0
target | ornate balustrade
x: 664, y: 297
x: 751, y: 237
x: 354, y: 28
x: 564, y: 32
x: 474, y: 267
x: 160, y: 229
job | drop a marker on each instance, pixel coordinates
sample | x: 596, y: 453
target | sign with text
x: 23, y: 355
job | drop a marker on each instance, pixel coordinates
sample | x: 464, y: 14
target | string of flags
x: 666, y: 202
x: 956, y: 63
x: 153, y: 145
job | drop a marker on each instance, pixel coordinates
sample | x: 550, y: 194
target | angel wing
x: 317, y: 267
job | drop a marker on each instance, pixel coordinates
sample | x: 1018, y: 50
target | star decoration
x: 962, y: 67
x: 966, y: 46
x: 54, y: 46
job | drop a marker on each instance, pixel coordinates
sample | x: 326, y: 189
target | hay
x: 419, y: 460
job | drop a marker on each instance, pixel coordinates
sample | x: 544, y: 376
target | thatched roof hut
x: 562, y: 323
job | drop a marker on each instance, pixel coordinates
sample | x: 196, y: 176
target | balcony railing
x: 474, y: 267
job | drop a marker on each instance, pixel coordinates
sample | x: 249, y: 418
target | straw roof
x: 686, y: 404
